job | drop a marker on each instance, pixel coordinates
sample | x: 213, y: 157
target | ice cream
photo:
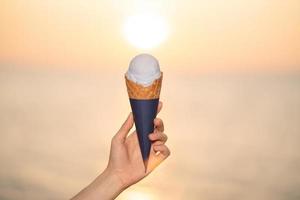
x: 143, y: 81
x: 143, y: 69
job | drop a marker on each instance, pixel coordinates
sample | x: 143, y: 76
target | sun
x: 145, y: 31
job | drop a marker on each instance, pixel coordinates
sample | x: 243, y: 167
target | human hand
x: 125, y: 161
x: 126, y: 166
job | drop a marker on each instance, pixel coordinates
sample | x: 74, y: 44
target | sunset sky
x: 231, y: 94
x: 203, y: 35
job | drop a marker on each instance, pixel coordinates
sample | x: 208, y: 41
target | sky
x: 203, y: 35
x: 232, y: 135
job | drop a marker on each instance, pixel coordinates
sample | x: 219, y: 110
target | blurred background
x: 231, y: 95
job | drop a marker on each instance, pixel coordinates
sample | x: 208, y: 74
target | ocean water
x: 232, y: 135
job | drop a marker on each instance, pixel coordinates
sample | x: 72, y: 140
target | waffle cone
x: 137, y: 91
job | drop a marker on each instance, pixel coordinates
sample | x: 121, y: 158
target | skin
x: 125, y: 166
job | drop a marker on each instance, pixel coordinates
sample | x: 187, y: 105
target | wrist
x: 106, y: 186
x: 114, y: 179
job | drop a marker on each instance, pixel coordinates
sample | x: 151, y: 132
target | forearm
x: 106, y: 186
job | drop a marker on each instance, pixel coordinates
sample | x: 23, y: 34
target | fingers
x: 158, y: 155
x: 159, y: 107
x: 159, y: 124
x: 125, y: 128
x: 163, y: 149
x: 159, y: 137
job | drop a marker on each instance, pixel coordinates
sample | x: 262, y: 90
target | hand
x: 126, y: 166
x: 125, y: 159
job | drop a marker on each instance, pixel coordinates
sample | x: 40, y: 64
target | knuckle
x: 158, y: 120
x: 115, y: 139
x: 168, y: 152
x: 152, y: 136
x: 166, y: 137
x: 158, y: 143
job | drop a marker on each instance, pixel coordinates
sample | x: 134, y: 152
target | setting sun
x: 145, y: 31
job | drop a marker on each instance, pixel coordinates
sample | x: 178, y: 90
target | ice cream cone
x: 144, y: 102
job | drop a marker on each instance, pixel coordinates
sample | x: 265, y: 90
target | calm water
x: 232, y: 136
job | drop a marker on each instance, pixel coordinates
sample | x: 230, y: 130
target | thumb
x: 125, y: 128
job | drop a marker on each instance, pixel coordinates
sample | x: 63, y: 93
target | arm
x: 106, y: 186
x: 126, y: 166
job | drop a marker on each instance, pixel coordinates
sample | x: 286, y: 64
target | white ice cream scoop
x: 143, y: 69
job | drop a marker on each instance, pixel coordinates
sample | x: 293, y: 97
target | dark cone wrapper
x: 144, y: 112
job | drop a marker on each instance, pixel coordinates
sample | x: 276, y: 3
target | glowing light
x: 136, y: 195
x: 145, y: 31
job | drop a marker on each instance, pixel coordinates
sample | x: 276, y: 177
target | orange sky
x: 204, y: 35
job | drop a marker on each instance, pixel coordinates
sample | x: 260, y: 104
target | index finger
x: 159, y: 107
